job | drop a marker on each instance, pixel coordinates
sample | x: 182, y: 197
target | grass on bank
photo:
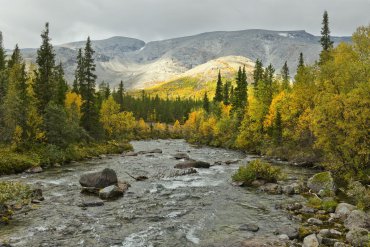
x: 43, y: 155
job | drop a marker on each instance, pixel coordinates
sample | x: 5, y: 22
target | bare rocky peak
x: 138, y: 63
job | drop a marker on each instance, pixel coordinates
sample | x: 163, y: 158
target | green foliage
x: 360, y: 195
x: 44, y: 84
x: 206, y: 102
x: 14, y: 192
x: 219, y: 93
x: 14, y: 162
x: 257, y: 169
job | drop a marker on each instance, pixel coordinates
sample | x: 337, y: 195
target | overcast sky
x: 21, y: 21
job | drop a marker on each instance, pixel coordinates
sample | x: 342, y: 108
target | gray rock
x: 249, y: 227
x: 110, y: 192
x: 291, y: 189
x: 130, y: 154
x: 330, y: 233
x: 271, y: 188
x: 283, y: 237
x: 311, y: 241
x: 321, y: 181
x: 343, y: 210
x: 356, y: 218
x: 90, y: 190
x: 314, y: 221
x: 258, y: 183
x: 340, y: 244
x: 358, y: 237
x: 36, y: 169
x: 234, y: 161
x: 182, y: 172
x: 95, y: 203
x: 307, y: 210
x: 101, y: 179
x: 290, y: 231
x: 192, y: 164
x: 154, y: 151
x: 180, y: 156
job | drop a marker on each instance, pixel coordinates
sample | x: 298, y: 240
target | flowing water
x: 201, y: 209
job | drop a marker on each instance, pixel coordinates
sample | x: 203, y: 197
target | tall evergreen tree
x: 226, y: 93
x: 90, y: 113
x: 325, y: 40
x: 43, y: 86
x: 79, y: 73
x: 2, y: 53
x: 300, y: 61
x: 258, y: 72
x: 218, y: 95
x: 206, y: 102
x: 120, y: 95
x: 285, y: 75
x: 60, y: 87
x: 3, y: 76
x: 240, y: 93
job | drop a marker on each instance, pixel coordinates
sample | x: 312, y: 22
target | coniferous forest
x: 318, y: 118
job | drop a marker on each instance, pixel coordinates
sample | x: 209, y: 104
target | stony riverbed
x: 201, y: 209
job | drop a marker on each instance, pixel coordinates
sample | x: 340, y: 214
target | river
x: 201, y: 209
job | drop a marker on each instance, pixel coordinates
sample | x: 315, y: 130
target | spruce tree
x: 3, y: 76
x: 285, y: 75
x: 218, y: 95
x: 258, y: 72
x: 90, y: 113
x: 120, y: 95
x: 2, y: 53
x: 240, y: 92
x: 226, y: 93
x: 206, y: 102
x: 60, y: 87
x: 43, y: 86
x: 300, y: 61
x: 325, y: 40
x: 79, y: 73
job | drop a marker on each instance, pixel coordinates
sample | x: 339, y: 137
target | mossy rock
x: 322, y: 182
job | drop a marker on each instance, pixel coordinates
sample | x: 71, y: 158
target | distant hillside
x: 141, y: 64
x: 196, y: 81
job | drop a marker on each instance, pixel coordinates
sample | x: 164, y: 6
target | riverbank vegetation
x: 320, y: 118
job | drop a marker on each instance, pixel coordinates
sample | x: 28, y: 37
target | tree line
x: 319, y: 116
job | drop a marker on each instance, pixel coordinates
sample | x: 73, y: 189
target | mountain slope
x: 141, y: 64
x: 202, y: 78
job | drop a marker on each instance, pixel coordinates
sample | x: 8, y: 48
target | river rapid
x: 201, y: 209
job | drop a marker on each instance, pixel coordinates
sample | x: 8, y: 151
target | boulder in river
x: 154, y: 151
x: 95, y: 203
x: 192, y: 163
x: 249, y: 227
x: 322, y: 182
x: 100, y: 179
x: 180, y: 156
x: 130, y: 153
x: 110, y: 192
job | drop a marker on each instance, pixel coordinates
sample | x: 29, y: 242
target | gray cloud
x: 21, y: 21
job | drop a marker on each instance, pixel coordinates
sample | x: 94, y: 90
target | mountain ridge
x: 137, y: 63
